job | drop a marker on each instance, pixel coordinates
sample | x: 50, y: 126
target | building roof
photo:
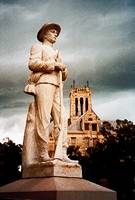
x: 75, y: 124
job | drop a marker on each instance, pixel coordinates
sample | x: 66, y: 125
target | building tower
x: 80, y: 101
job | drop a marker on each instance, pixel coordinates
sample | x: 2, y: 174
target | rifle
x: 58, y: 150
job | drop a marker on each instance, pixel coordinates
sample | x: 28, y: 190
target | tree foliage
x: 10, y: 161
x: 112, y: 162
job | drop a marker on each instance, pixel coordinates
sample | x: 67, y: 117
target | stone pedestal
x: 55, y: 188
x: 53, y: 168
x: 54, y: 180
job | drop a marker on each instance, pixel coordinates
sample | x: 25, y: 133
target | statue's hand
x: 60, y: 66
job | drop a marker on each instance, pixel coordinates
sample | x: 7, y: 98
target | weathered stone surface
x: 56, y: 188
x: 53, y: 168
x: 45, y: 83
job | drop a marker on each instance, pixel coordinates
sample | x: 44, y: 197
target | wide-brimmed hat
x: 45, y: 28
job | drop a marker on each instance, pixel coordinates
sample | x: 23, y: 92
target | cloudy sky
x: 97, y: 43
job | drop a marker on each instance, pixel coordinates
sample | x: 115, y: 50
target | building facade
x: 83, y: 123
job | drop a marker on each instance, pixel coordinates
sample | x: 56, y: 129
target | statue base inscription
x: 52, y: 169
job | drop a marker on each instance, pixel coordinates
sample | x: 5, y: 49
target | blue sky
x: 97, y: 44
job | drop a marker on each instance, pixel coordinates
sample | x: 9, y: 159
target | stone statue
x: 45, y: 84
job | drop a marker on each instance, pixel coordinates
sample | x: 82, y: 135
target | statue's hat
x: 45, y: 28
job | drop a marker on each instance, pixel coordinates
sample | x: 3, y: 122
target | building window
x: 94, y: 127
x: 76, y: 106
x: 81, y: 124
x: 81, y: 104
x: 90, y: 142
x: 86, y: 141
x: 86, y: 126
x: 86, y: 104
x: 73, y: 141
x: 90, y: 119
x: 95, y: 140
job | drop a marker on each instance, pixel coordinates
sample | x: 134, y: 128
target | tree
x: 10, y: 161
x: 114, y: 159
x: 111, y: 163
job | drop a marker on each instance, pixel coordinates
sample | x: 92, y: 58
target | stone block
x: 52, y: 168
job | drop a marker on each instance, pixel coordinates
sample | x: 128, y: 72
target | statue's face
x: 51, y: 35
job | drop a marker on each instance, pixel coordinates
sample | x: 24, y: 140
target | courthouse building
x: 83, y: 124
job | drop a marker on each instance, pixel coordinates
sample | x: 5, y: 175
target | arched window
x: 81, y: 104
x: 76, y: 106
x: 94, y: 127
x: 86, y: 104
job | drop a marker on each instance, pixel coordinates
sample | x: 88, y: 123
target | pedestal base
x: 53, y: 168
x: 55, y: 188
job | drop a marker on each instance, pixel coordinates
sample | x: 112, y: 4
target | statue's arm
x: 36, y: 64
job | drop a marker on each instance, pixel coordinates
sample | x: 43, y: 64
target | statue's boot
x: 65, y: 157
x: 44, y: 156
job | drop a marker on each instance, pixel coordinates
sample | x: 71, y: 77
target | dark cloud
x: 113, y: 76
x: 97, y: 43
